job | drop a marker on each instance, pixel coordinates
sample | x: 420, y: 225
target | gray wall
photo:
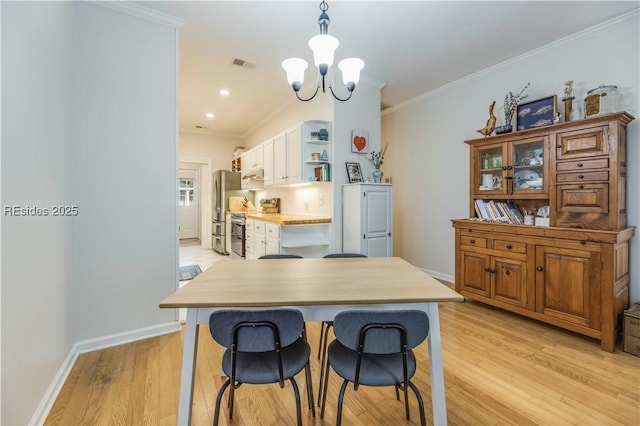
x: 429, y: 160
x: 88, y: 102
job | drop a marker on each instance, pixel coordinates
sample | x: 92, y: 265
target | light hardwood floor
x: 499, y: 369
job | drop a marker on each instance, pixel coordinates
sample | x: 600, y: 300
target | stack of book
x: 322, y: 173
x: 499, y: 211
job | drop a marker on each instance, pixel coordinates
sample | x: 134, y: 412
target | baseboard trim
x: 439, y: 276
x: 90, y: 345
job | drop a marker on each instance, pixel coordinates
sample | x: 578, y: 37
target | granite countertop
x: 287, y: 219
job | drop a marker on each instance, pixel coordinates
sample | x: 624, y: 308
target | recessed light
x: 224, y: 92
x: 210, y: 115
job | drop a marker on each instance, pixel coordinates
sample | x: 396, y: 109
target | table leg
x: 435, y: 366
x: 189, y: 353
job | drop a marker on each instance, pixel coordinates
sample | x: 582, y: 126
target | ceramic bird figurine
x: 491, y: 122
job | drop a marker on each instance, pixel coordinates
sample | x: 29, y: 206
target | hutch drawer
x: 583, y: 176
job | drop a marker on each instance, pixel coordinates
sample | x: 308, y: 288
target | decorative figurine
x: 491, y: 122
x: 568, y: 89
x: 568, y: 99
x: 556, y: 118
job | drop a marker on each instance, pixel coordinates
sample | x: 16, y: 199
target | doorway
x: 188, y: 204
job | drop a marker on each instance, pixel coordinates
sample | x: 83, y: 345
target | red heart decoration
x: 360, y: 143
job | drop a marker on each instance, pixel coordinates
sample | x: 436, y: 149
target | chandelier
x: 323, y: 46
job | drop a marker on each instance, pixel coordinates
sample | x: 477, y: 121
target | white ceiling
x: 412, y: 47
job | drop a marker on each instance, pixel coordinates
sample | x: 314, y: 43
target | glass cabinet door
x: 489, y: 175
x: 528, y: 166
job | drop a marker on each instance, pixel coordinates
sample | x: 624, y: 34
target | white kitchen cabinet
x: 367, y: 220
x: 287, y: 157
x: 272, y: 238
x: 259, y: 239
x: 268, y: 163
x: 249, y: 239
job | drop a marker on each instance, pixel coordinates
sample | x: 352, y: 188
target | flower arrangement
x: 511, y: 101
x: 376, y: 157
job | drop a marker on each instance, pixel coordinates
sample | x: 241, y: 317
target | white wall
x: 216, y: 148
x: 429, y: 161
x: 89, y: 103
x: 36, y: 171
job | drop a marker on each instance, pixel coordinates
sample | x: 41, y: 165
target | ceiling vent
x: 242, y: 63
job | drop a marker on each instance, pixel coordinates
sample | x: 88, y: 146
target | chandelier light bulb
x: 295, y: 68
x: 351, y: 68
x: 323, y: 46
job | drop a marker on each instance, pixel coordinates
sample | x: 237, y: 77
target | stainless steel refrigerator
x: 225, y: 184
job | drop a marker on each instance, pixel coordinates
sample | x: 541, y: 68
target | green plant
x: 376, y: 157
x: 511, y: 101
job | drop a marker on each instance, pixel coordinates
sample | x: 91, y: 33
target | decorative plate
x: 523, y: 176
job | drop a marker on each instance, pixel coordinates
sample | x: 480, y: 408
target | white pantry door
x: 188, y: 204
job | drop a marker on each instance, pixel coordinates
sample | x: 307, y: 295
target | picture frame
x: 538, y: 113
x: 359, y: 141
x: 353, y: 172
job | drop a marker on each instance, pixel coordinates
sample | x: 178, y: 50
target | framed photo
x: 359, y: 141
x: 353, y: 172
x: 536, y: 113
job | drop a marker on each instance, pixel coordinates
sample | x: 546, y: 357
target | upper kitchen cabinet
x: 287, y: 156
x: 252, y: 168
x: 317, y: 139
x: 267, y: 148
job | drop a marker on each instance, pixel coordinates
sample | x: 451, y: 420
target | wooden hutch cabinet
x: 574, y: 272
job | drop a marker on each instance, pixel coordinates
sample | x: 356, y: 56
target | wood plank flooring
x: 499, y: 369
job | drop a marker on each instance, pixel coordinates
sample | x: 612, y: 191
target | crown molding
x: 634, y: 14
x: 141, y: 12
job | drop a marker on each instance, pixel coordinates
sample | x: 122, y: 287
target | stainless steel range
x: 238, y: 224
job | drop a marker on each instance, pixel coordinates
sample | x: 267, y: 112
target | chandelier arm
x: 312, y: 96
x: 337, y: 98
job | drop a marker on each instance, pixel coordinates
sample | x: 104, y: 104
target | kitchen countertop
x: 287, y: 219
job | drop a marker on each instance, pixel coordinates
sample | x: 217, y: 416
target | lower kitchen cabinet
x: 577, y: 279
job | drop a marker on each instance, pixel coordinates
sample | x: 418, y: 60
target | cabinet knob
x: 487, y: 269
x: 472, y: 241
x: 509, y: 246
x: 559, y: 146
x: 580, y: 186
x: 580, y: 176
x: 493, y: 271
x: 509, y: 167
x: 539, y: 269
x: 504, y: 167
x: 507, y: 273
x: 583, y: 242
x: 580, y: 164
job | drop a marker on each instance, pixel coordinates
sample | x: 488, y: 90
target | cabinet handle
x: 508, y: 273
x: 559, y: 146
x: 580, y: 186
x: 580, y: 176
x: 579, y: 164
x: 504, y: 167
x: 487, y: 269
x: 509, y: 246
x: 539, y: 269
x: 472, y: 241
x: 493, y: 271
x: 509, y: 167
x: 583, y: 242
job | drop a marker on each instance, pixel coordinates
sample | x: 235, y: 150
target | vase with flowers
x: 376, y: 158
x: 511, y: 101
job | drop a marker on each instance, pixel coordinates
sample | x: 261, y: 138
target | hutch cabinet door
x: 568, y: 285
x: 509, y: 281
x: 473, y: 273
x: 588, y: 142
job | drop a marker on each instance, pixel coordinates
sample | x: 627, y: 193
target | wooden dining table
x: 319, y: 288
